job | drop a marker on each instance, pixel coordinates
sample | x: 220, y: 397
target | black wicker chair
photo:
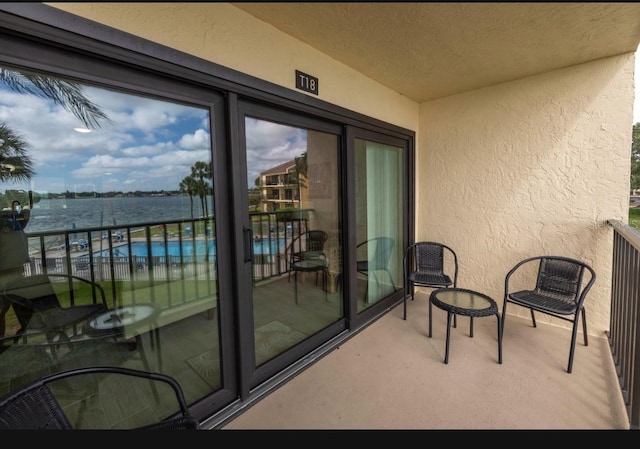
x: 36, y: 301
x: 309, y: 246
x: 429, y: 264
x: 560, y: 290
x: 35, y: 406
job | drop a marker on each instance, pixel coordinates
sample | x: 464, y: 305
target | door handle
x: 248, y: 244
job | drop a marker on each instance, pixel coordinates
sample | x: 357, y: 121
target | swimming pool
x: 172, y: 248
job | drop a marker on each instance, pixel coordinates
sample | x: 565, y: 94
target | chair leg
x: 533, y: 318
x: 325, y: 284
x: 376, y: 278
x: 584, y: 326
x: 404, y: 300
x: 499, y: 339
x: 366, y: 292
x: 504, y: 315
x: 574, y: 334
x: 393, y: 284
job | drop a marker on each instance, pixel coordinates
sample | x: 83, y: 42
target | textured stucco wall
x: 221, y: 33
x: 527, y: 168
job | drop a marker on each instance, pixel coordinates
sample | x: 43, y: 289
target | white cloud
x: 148, y: 145
x: 197, y: 140
x: 271, y: 144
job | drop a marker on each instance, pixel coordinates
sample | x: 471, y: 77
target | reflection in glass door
x: 296, y: 256
x: 379, y: 220
x: 116, y: 199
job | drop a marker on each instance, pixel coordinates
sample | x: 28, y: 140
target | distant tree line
x: 635, y: 157
x: 112, y: 194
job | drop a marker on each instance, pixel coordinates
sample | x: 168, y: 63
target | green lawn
x: 634, y: 218
x: 158, y: 292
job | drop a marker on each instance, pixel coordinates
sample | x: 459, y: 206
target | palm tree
x: 301, y: 174
x: 301, y: 164
x: 15, y: 164
x: 189, y: 186
x: 201, y: 171
x: 635, y: 157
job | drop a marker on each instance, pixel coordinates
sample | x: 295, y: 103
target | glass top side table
x: 460, y: 301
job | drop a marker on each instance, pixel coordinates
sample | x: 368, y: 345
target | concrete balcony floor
x: 393, y: 376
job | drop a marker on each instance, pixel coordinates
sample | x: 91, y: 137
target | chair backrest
x: 316, y: 240
x: 32, y: 295
x: 51, y: 263
x: 309, y: 242
x: 560, y: 278
x: 35, y: 407
x: 429, y: 258
x: 381, y: 253
x: 84, y: 265
x: 433, y: 259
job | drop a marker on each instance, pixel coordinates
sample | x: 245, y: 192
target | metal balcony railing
x: 624, y: 335
x: 97, y: 253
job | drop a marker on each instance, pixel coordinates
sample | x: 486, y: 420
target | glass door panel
x: 296, y: 253
x: 114, y: 191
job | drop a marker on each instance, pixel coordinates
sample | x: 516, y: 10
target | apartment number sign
x: 306, y: 82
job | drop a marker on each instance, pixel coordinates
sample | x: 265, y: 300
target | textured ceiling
x: 431, y: 50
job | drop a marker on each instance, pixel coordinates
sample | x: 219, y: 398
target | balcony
x: 392, y: 376
x: 392, y: 361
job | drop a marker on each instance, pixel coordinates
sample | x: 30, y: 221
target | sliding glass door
x: 113, y: 192
x: 292, y: 249
x: 380, y: 224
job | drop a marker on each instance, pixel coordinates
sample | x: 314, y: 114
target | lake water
x: 80, y: 213
x: 65, y: 214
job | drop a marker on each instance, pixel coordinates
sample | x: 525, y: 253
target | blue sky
x: 149, y: 144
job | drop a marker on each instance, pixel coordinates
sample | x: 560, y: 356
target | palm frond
x: 13, y: 153
x: 65, y: 93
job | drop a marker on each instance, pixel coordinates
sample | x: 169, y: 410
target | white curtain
x: 383, y: 211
